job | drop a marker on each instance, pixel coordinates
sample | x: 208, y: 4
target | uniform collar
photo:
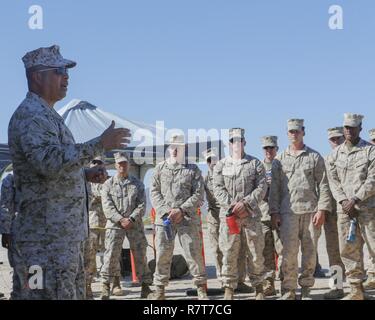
x: 39, y: 100
x: 34, y: 96
x: 121, y: 180
x: 174, y: 166
x: 305, y: 149
x: 362, y: 143
x: 245, y: 158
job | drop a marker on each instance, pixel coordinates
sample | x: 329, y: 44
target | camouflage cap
x: 210, y: 153
x: 120, y: 157
x: 177, y: 140
x: 236, y: 133
x: 97, y: 159
x: 269, y: 141
x: 295, y: 124
x: 372, y: 134
x: 48, y: 57
x: 335, y: 132
x: 352, y: 119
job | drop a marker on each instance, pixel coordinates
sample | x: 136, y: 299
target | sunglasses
x: 266, y: 148
x: 237, y: 140
x: 59, y: 71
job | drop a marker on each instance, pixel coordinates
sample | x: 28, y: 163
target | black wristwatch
x: 132, y: 219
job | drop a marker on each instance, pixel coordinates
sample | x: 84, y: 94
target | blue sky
x: 204, y: 64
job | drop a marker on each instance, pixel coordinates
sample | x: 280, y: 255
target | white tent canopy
x: 87, y: 121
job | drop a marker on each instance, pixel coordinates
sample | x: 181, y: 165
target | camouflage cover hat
x: 120, y: 157
x: 177, y: 139
x: 352, y: 119
x: 295, y: 124
x: 236, y: 133
x: 210, y: 153
x: 269, y: 141
x: 100, y: 158
x: 335, y: 132
x: 48, y: 57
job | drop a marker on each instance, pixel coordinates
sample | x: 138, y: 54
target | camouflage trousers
x: 298, y: 230
x: 272, y: 246
x: 213, y: 228
x: 16, y: 284
x: 332, y: 240
x: 50, y: 270
x: 114, y: 239
x: 91, y: 246
x: 352, y: 252
x: 252, y: 239
x: 188, y: 233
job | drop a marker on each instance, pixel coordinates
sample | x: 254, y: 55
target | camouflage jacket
x: 177, y: 186
x: 244, y: 181
x: 264, y: 205
x: 352, y: 174
x: 51, y: 198
x: 213, y: 205
x: 97, y: 218
x: 123, y: 198
x: 7, y: 204
x: 300, y: 185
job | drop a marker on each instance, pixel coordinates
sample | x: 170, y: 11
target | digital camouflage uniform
x: 299, y: 189
x: 7, y: 215
x: 124, y: 197
x: 332, y: 236
x: 178, y: 186
x: 352, y: 174
x: 241, y: 181
x: 272, y: 241
x: 52, y: 220
x: 97, y: 221
x: 213, y: 226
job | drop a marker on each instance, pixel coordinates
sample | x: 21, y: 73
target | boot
x: 269, y: 288
x: 202, y: 292
x: 288, y: 295
x: 116, y: 288
x: 242, y: 287
x: 228, y: 295
x: 305, y: 293
x: 356, y: 292
x: 259, y: 295
x: 89, y: 295
x: 105, y: 291
x: 334, y: 294
x: 369, y: 284
x: 318, y: 273
x: 145, y: 290
x: 159, y: 294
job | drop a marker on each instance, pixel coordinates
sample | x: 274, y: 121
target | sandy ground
x: 177, y: 288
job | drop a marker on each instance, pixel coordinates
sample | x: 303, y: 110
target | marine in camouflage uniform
x: 335, y: 137
x: 51, y: 200
x: 7, y: 215
x: 97, y: 222
x: 177, y: 191
x: 351, y: 168
x: 123, y: 199
x: 272, y: 241
x: 240, y: 185
x: 299, y: 200
x: 213, y: 226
